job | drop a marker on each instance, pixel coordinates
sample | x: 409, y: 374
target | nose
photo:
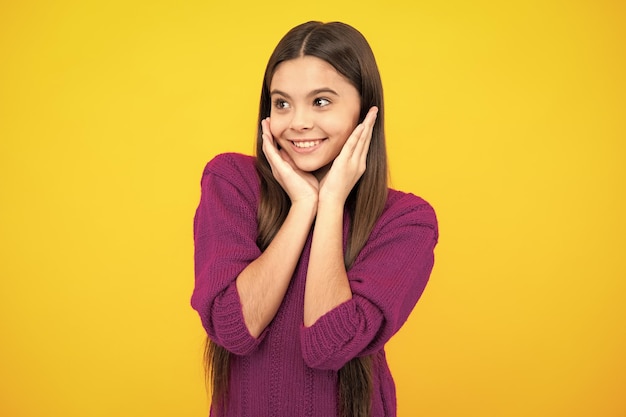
x: 301, y: 120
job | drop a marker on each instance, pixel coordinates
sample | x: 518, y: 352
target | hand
x: 299, y: 185
x: 350, y: 164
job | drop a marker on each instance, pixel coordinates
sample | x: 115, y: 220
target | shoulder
x: 405, y: 209
x: 228, y: 164
x: 236, y: 169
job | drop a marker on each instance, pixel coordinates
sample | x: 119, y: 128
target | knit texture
x: 291, y: 370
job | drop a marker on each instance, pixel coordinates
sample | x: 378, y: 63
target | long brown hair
x: 348, y: 52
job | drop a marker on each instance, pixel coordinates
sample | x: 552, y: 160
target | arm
x: 387, y: 279
x: 327, y: 283
x: 237, y: 288
x: 225, y: 230
x: 263, y: 284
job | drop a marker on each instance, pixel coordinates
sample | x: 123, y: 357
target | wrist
x: 305, y: 207
x: 331, y: 205
x: 331, y: 200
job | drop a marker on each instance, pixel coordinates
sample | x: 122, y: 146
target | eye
x: 321, y: 102
x: 281, y: 104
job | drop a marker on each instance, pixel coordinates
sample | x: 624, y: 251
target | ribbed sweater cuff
x: 323, y: 342
x: 230, y: 326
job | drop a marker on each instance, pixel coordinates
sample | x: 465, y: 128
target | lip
x: 308, y: 149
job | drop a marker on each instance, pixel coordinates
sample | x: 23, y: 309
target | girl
x: 306, y: 263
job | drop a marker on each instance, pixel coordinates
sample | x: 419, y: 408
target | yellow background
x: 509, y: 117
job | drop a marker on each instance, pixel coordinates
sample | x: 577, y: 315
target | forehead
x: 307, y: 73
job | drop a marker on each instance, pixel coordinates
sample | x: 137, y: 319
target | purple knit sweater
x: 291, y: 370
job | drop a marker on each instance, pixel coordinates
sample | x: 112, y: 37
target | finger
x: 368, y: 124
x: 285, y: 156
x: 370, y: 117
x: 361, y: 134
x: 363, y: 144
x: 265, y: 126
x: 369, y: 121
x: 279, y: 160
x: 348, y: 148
x: 268, y: 141
x: 269, y: 145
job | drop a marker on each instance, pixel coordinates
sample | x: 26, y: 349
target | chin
x: 311, y: 163
x: 318, y: 170
x: 309, y: 167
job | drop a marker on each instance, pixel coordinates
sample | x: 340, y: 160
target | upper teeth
x: 306, y: 144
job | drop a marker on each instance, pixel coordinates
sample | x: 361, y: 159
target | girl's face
x: 314, y: 110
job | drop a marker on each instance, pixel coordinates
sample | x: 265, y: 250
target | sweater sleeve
x: 225, y: 229
x: 387, y: 279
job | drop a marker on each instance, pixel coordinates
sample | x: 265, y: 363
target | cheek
x: 277, y: 126
x: 341, y: 129
x: 343, y: 124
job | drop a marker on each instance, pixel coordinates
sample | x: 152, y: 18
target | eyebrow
x: 312, y: 93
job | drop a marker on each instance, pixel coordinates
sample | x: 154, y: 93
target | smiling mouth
x: 306, y: 143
